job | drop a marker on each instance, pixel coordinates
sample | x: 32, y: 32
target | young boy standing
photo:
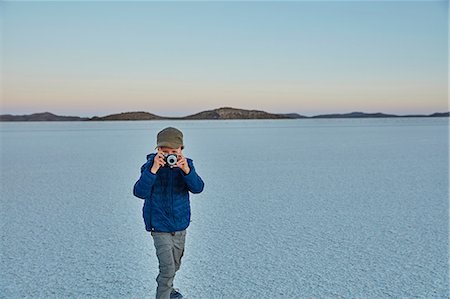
x: 164, y: 184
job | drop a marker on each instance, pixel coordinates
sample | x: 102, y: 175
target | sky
x: 177, y: 58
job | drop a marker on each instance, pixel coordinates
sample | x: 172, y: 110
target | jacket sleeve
x: 193, y: 180
x: 143, y: 187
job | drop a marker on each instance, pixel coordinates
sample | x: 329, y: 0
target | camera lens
x: 172, y: 159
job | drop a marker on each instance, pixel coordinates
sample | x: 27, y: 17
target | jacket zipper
x: 171, y: 193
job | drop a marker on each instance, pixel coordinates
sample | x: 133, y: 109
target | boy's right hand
x: 158, y: 162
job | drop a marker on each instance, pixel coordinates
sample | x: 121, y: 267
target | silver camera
x: 171, y: 159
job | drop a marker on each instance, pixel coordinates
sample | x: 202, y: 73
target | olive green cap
x: 170, y: 137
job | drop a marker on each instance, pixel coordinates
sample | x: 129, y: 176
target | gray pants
x: 169, y: 250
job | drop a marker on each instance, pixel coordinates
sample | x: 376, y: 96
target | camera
x: 170, y: 159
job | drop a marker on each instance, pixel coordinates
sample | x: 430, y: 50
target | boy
x: 165, y: 189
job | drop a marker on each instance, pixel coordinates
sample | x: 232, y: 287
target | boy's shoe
x: 174, y: 294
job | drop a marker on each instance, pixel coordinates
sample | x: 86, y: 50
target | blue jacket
x: 166, y: 195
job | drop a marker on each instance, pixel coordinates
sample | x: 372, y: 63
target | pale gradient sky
x: 177, y: 58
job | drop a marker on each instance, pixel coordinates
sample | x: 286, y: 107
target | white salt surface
x: 343, y: 208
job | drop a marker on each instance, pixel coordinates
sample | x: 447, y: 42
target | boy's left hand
x: 182, y: 163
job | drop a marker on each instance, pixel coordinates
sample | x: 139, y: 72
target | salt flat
x: 323, y: 208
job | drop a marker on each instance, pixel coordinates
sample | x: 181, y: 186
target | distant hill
x: 233, y: 113
x: 293, y: 115
x: 378, y: 114
x: 44, y: 116
x: 219, y: 113
x: 139, y: 115
x: 354, y: 115
x: 440, y: 114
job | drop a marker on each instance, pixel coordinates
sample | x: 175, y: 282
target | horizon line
x: 228, y: 107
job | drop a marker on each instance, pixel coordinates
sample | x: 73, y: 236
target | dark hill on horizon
x: 357, y: 114
x: 233, y: 113
x: 43, y: 116
x: 138, y: 115
x: 219, y: 113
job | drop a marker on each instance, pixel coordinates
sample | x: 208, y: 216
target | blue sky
x: 176, y: 58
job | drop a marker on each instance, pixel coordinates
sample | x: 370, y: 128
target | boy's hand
x: 182, y: 163
x: 158, y: 162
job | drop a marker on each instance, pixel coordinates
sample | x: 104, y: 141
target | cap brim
x: 169, y: 144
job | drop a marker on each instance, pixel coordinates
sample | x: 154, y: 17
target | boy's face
x: 169, y: 150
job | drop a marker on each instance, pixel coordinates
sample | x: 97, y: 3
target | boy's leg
x: 164, y: 251
x: 178, y: 248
